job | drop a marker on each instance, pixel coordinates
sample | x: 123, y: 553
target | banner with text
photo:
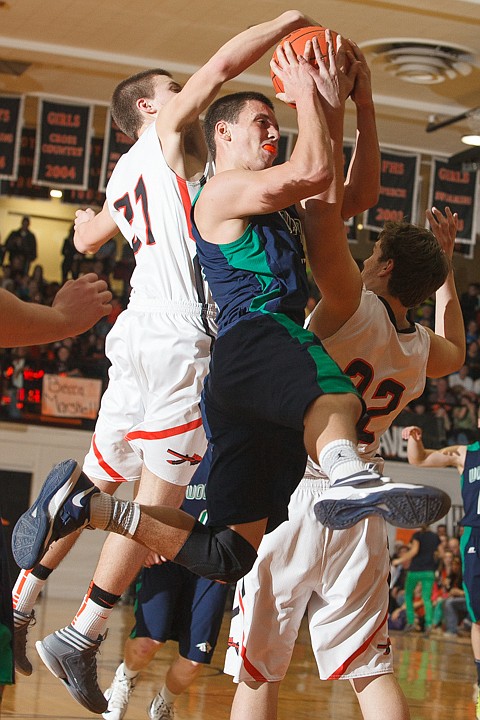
x: 70, y: 396
x: 23, y: 185
x: 11, y: 120
x: 116, y: 143
x: 91, y: 196
x: 398, y: 191
x: 63, y: 145
x: 456, y: 188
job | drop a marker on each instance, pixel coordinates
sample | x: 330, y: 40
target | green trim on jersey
x: 247, y: 253
x: 329, y: 377
x: 6, y: 656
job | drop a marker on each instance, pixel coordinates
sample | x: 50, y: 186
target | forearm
x: 29, y: 324
x: 362, y: 185
x: 313, y: 155
x: 448, y: 315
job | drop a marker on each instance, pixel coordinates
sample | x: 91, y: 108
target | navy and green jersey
x: 263, y: 271
x: 470, y: 486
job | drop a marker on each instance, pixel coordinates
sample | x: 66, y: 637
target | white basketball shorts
x: 150, y: 411
x: 338, y: 577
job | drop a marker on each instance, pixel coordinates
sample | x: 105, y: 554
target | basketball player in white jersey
x: 340, y: 577
x: 149, y: 426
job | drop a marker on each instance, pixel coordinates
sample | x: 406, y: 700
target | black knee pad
x: 216, y: 553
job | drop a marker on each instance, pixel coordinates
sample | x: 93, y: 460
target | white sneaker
x: 118, y: 695
x: 160, y: 710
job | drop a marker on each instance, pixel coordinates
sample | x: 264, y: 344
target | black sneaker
x: 400, y: 504
x: 21, y: 623
x: 70, y: 656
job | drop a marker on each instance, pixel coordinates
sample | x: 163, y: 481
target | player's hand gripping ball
x: 297, y: 40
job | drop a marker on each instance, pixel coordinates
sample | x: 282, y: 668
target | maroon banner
x: 398, y: 191
x: 91, y: 196
x: 11, y: 119
x: 116, y: 143
x: 23, y: 185
x: 61, y: 156
x: 456, y: 188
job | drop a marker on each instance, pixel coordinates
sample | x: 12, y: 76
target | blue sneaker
x: 61, y: 508
x: 400, y: 504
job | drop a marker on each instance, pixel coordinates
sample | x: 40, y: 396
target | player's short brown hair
x: 125, y: 96
x: 420, y: 266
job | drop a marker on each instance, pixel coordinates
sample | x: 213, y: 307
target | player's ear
x: 386, y: 267
x: 146, y: 105
x: 223, y: 130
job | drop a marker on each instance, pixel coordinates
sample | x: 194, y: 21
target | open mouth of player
x: 270, y: 149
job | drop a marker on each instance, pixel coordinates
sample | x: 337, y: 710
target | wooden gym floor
x: 436, y: 675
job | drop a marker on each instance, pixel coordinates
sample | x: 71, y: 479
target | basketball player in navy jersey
x: 466, y: 459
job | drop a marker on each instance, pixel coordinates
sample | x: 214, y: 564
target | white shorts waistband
x: 171, y: 308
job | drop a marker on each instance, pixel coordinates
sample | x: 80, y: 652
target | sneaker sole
x: 407, y: 507
x: 56, y: 668
x: 33, y: 531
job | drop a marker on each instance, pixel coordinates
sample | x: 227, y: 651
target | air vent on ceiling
x: 13, y: 67
x: 419, y: 61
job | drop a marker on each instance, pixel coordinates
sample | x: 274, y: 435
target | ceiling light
x: 56, y: 194
x: 471, y: 139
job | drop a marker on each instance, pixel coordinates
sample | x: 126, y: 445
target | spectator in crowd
x: 448, y: 578
x: 473, y: 359
x: 454, y: 546
x: 464, y: 428
x: 71, y: 258
x: 21, y: 246
x: 462, y: 382
x: 470, y: 302
x: 455, y: 604
x: 471, y: 333
x: 423, y: 563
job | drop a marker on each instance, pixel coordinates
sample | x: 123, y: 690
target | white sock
x: 112, y: 514
x: 130, y: 674
x: 91, y: 619
x: 339, y: 459
x: 25, y: 591
x: 168, y: 696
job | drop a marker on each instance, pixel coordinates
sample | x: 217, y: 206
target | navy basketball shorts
x: 174, y: 604
x: 470, y: 551
x: 7, y: 672
x: 264, y: 373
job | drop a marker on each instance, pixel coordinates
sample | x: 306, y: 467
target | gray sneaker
x: 160, y: 710
x: 118, y: 695
x: 20, y: 628
x: 70, y: 656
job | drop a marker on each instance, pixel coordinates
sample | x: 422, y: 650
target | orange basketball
x: 297, y: 40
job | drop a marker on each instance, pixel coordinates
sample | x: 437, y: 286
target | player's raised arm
x: 230, y: 60
x: 447, y: 344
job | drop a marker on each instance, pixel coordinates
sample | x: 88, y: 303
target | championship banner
x: 61, y: 156
x: 23, y: 185
x: 456, y: 188
x: 72, y: 397
x: 11, y: 120
x: 91, y: 196
x: 398, y: 191
x: 116, y: 143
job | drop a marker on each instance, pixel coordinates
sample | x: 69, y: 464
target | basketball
x: 297, y: 40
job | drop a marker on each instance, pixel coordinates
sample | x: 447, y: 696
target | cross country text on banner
x: 398, y: 191
x: 11, y: 120
x: 115, y: 144
x: 63, y: 145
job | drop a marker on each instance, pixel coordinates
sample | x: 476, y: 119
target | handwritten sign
x: 71, y: 397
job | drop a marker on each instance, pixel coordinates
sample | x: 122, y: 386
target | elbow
x: 319, y: 179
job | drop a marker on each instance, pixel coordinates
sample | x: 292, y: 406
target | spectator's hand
x: 444, y: 227
x: 412, y: 431
x: 83, y: 302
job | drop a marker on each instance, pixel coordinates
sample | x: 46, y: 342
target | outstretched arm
x: 229, y: 61
x: 77, y: 306
x: 362, y: 185
x: 327, y: 246
x: 447, y: 344
x: 418, y: 454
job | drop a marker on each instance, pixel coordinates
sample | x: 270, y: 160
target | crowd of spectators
x: 22, y: 369
x: 444, y: 612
